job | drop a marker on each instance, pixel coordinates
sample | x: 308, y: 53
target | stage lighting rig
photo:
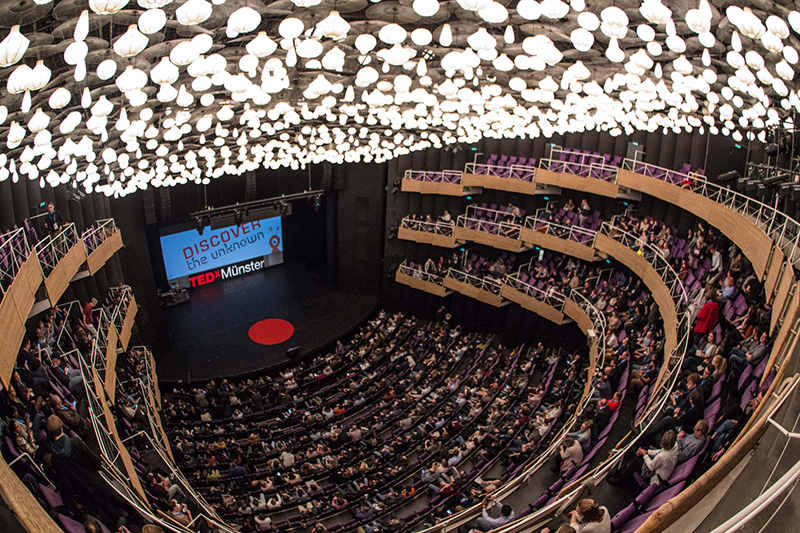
x: 728, y: 177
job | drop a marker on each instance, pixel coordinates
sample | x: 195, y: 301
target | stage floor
x: 209, y: 336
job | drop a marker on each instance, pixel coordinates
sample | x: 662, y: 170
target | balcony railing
x: 434, y: 176
x: 437, y: 226
x: 517, y: 172
x: 501, y: 228
x: 491, y: 285
x: 95, y: 236
x: 549, y: 296
x: 420, y: 274
x: 572, y: 233
x: 579, y: 164
x: 53, y: 248
x: 14, y: 250
x: 782, y: 229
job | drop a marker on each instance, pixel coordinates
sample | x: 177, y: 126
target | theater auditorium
x: 389, y: 266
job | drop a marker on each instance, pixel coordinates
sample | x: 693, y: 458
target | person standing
x: 54, y: 223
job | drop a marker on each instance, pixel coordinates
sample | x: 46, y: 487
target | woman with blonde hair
x: 590, y: 517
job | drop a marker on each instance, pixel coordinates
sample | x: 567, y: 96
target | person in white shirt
x: 589, y: 517
x: 487, y: 522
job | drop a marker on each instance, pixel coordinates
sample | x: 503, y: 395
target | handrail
x: 177, y: 473
x: 549, y: 296
x: 781, y: 228
x: 517, y: 172
x: 511, y: 230
x: 545, y: 457
x: 497, y: 214
x: 650, y: 415
x: 651, y: 255
x: 52, y: 248
x: 13, y: 244
x: 94, y: 237
x: 434, y: 176
x: 420, y: 274
x: 571, y: 233
x: 438, y: 227
x: 120, y: 310
x: 585, y: 165
x: 483, y: 283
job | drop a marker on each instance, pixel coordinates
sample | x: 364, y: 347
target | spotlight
x: 237, y: 218
x: 777, y: 178
x: 771, y: 149
x: 200, y: 226
x: 317, y: 202
x: 283, y: 207
x: 729, y: 176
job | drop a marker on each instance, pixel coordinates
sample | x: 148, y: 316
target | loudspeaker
x: 293, y: 353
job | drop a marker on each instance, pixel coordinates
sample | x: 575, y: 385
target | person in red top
x: 87, y: 314
x: 613, y: 403
x: 708, y: 315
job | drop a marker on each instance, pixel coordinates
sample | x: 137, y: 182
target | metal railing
x: 121, y: 309
x: 95, y: 236
x: 548, y: 295
x: 420, y: 274
x: 511, y: 230
x: 545, y: 458
x: 483, y: 283
x: 437, y: 226
x: 517, y: 172
x: 14, y: 250
x: 782, y: 229
x: 53, y: 248
x: 650, y: 415
x: 579, y: 164
x: 571, y: 233
x: 434, y: 176
x: 653, y: 256
x: 113, y: 468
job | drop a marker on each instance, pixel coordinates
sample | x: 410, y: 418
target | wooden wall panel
x: 576, y: 313
x: 482, y: 237
x: 532, y: 304
x: 789, y: 317
x: 781, y: 295
x: 24, y: 505
x: 425, y: 237
x: 127, y: 324
x: 578, y: 183
x: 754, y: 243
x: 550, y: 242
x: 110, y: 381
x: 473, y: 292
x: 58, y: 280
x: 14, y: 310
x: 653, y: 281
x: 123, y: 452
x: 773, y: 274
x: 415, y: 283
x: 104, y: 252
x: 499, y: 184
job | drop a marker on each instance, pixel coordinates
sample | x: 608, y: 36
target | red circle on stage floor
x: 271, y: 331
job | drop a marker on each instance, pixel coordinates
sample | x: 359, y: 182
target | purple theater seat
x: 646, y: 495
x: 665, y: 496
x: 632, y: 525
x: 622, y: 517
x: 683, y: 470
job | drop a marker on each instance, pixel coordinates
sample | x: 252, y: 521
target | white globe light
x: 426, y: 8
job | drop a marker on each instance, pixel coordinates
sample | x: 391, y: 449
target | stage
x: 211, y: 336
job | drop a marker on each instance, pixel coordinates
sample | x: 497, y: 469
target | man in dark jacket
x: 77, y: 471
